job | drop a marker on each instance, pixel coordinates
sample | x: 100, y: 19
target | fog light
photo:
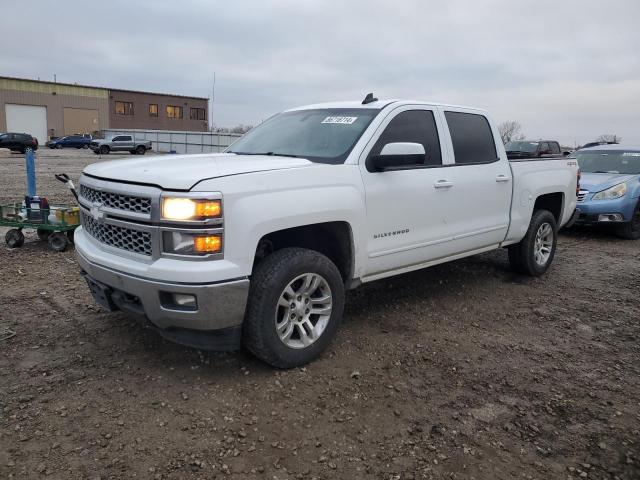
x: 178, y: 301
x: 610, y: 217
x: 185, y: 300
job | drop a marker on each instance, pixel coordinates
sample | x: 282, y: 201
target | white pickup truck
x: 256, y: 246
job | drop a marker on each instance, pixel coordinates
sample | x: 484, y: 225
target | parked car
x: 258, y: 245
x: 120, y: 143
x: 18, y: 142
x: 70, y: 141
x: 521, y: 149
x: 610, y: 188
x: 595, y: 144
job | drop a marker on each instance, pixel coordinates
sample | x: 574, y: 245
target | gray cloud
x: 567, y: 70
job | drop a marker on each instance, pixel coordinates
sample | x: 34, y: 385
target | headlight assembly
x: 611, y: 193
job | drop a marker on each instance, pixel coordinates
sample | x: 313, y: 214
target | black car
x: 524, y: 149
x: 70, y: 141
x: 18, y: 142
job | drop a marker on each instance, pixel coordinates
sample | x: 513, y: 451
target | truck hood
x: 182, y: 172
x: 596, y: 182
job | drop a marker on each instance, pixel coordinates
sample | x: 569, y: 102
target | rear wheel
x: 14, y: 238
x: 631, y: 230
x: 140, y: 150
x: 104, y: 149
x: 535, y: 252
x: 295, y: 307
x: 58, y: 241
x: 43, y: 234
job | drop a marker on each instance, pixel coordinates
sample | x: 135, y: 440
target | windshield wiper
x: 270, y: 154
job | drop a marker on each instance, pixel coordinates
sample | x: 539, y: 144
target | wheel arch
x: 333, y: 239
x: 553, y: 202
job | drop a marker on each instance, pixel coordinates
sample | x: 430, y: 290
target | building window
x: 124, y: 108
x: 153, y: 110
x: 174, y: 112
x: 197, y: 114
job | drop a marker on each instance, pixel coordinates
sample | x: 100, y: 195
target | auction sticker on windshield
x: 341, y: 120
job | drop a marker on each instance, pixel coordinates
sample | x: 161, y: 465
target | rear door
x: 479, y: 198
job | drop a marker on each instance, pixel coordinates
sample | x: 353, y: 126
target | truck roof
x: 378, y: 104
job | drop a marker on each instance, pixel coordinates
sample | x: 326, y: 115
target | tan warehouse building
x: 51, y: 109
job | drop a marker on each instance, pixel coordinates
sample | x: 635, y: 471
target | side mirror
x: 566, y: 153
x: 397, y: 155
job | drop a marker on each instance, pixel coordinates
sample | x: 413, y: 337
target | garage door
x: 27, y: 119
x: 80, y: 120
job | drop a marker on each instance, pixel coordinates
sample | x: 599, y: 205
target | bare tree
x: 609, y: 138
x: 510, y: 130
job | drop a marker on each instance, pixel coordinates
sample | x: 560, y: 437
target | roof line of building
x: 102, y: 88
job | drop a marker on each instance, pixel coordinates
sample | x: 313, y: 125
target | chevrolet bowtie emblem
x: 97, y: 213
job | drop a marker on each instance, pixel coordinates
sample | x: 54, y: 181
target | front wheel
x: 295, y: 306
x: 14, y: 238
x: 631, y: 229
x: 535, y: 252
x: 104, y: 149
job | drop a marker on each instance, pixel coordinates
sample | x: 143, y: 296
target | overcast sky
x: 565, y: 69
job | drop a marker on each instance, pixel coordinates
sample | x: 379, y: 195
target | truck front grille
x: 115, y: 200
x: 119, y: 237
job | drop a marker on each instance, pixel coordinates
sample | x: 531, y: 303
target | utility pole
x: 213, y: 97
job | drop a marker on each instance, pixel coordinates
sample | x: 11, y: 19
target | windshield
x: 608, y: 161
x: 528, y: 147
x: 323, y: 135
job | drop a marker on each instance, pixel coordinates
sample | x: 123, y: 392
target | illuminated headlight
x: 191, y: 243
x: 176, y: 208
x: 611, y: 193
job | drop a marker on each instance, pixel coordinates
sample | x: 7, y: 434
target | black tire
x: 58, y: 242
x: 522, y: 255
x: 104, y: 149
x: 70, y: 237
x: 268, y: 282
x: 140, y: 149
x: 14, y: 238
x: 85, y: 146
x: 631, y: 230
x: 43, y: 234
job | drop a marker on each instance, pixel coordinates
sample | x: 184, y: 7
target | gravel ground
x: 459, y: 371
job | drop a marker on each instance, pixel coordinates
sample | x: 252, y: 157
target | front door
x: 406, y: 208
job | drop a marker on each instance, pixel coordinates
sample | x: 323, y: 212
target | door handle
x: 502, y: 178
x: 443, y: 184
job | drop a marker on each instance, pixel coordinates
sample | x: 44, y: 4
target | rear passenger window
x: 471, y: 137
x: 555, y: 148
x: 415, y: 126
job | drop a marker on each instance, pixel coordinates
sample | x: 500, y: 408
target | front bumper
x: 214, y: 324
x: 615, y: 211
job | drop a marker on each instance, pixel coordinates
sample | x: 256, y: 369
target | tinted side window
x: 119, y: 139
x: 415, y: 126
x: 555, y: 148
x: 471, y: 137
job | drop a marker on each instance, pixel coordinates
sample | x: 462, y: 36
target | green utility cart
x: 54, y: 224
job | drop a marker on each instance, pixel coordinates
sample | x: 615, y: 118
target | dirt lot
x: 460, y: 371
